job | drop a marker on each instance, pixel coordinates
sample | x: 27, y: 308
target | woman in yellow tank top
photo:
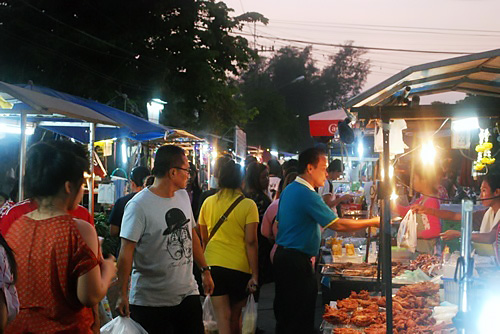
x: 230, y: 250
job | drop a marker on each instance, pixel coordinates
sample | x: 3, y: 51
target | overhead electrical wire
x: 397, y: 31
x: 357, y: 46
x: 386, y: 26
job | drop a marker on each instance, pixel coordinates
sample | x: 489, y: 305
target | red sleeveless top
x: 50, y: 254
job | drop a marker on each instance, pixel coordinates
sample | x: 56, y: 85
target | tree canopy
x: 288, y: 87
x: 182, y: 51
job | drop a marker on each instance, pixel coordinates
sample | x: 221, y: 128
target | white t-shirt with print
x: 162, y: 269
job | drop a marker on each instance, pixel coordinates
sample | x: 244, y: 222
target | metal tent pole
x: 91, y: 155
x: 464, y: 267
x: 386, y: 226
x: 22, y: 155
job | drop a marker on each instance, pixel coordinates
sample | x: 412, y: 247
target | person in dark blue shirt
x: 137, y: 177
x: 301, y: 215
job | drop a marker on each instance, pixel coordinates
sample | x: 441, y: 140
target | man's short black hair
x: 335, y: 166
x: 309, y: 157
x: 139, y: 174
x: 166, y: 158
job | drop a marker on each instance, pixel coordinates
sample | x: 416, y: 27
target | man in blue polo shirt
x: 301, y: 215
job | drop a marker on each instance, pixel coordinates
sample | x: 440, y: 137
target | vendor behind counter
x: 485, y: 220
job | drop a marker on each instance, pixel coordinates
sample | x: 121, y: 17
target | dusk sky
x: 465, y: 26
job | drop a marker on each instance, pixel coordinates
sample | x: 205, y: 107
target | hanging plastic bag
x: 105, y: 315
x: 250, y: 316
x: 122, y: 325
x: 407, y: 233
x: 209, y: 321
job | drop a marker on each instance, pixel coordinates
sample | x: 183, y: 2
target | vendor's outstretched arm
x: 441, y: 214
x: 484, y: 238
x: 348, y: 225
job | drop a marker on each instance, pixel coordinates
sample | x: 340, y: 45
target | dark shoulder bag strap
x: 223, y: 218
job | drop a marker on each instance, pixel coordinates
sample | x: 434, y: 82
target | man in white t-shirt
x: 335, y: 170
x: 159, y: 244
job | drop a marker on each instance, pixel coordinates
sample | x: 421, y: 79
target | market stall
x: 63, y: 113
x: 398, y: 98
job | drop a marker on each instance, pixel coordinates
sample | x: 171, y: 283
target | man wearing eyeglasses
x: 158, y: 248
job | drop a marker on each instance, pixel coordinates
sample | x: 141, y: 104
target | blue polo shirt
x: 301, y: 213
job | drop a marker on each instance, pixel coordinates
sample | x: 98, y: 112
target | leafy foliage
x: 110, y: 244
x: 288, y: 87
x: 181, y: 51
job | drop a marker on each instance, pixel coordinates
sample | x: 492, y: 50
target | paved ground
x: 266, y: 321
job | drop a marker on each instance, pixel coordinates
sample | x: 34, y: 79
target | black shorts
x: 230, y: 282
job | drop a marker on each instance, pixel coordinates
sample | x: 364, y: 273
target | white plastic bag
x: 122, y: 325
x: 209, y: 321
x: 407, y: 233
x: 250, y: 316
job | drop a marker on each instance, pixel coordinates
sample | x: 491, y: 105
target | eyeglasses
x: 184, y: 169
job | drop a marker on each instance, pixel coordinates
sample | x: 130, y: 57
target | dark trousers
x: 296, y: 291
x: 185, y: 318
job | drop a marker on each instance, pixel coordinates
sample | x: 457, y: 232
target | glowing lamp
x: 465, y: 124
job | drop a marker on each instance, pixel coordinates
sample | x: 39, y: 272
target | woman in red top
x: 428, y: 227
x: 61, y: 273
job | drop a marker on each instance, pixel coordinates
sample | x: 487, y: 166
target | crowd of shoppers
x: 261, y: 223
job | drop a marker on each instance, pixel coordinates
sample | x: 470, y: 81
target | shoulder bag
x: 223, y: 218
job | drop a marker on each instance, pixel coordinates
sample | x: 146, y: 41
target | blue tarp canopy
x: 47, y: 106
x: 80, y: 131
x: 132, y: 126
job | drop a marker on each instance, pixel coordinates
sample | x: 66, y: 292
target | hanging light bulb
x: 428, y: 153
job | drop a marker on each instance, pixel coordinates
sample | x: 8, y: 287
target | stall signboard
x: 460, y: 140
x: 240, y: 142
x: 325, y: 123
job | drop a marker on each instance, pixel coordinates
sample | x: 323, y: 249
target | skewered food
x: 334, y: 316
x: 363, y: 294
x: 365, y: 303
x: 345, y: 331
x: 376, y: 329
x: 364, y: 320
x: 419, y: 289
x: 410, y: 301
x: 411, y: 312
x: 347, y: 304
x: 425, y: 262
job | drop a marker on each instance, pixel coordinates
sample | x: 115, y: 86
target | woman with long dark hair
x: 256, y: 186
x: 61, y: 272
x: 230, y: 250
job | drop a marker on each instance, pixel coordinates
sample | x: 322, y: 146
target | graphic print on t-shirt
x: 179, y: 243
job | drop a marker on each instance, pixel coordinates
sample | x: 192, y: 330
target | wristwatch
x: 203, y: 269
